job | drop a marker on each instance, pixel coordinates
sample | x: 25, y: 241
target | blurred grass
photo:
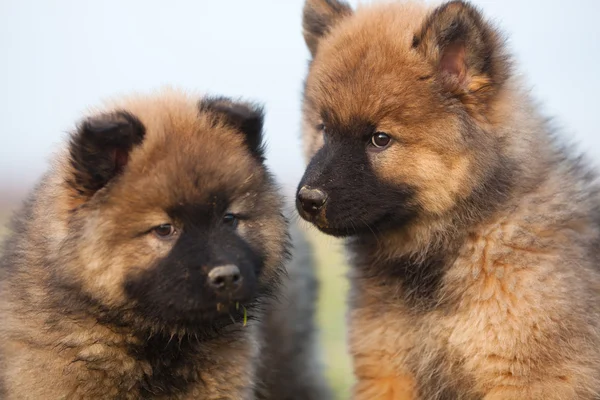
x: 331, y: 317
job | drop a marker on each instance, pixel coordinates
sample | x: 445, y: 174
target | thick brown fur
x: 95, y: 305
x: 474, y: 235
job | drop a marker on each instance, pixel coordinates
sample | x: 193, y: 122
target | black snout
x: 225, y: 279
x: 311, y: 200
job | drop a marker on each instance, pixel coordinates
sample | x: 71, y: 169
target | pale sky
x: 60, y: 56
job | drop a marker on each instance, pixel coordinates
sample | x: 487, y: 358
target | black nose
x: 311, y: 200
x: 226, y: 278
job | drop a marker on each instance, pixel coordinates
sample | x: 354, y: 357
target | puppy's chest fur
x: 172, y: 368
x: 99, y: 364
x: 456, y: 328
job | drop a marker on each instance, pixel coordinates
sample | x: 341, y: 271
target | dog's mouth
x: 219, y: 313
x: 228, y: 307
x: 337, y: 232
x: 355, y: 226
x: 321, y: 222
x: 222, y: 306
x: 206, y: 311
x: 332, y: 228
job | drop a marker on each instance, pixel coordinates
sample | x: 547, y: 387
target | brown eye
x: 380, y: 140
x: 164, y: 231
x: 231, y: 220
x: 321, y: 127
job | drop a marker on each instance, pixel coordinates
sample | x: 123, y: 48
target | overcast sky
x: 60, y: 56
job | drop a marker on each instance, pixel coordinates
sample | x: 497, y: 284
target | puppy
x: 474, y: 234
x: 144, y: 263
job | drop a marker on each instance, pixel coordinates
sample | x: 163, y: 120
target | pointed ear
x: 247, y: 118
x: 466, y: 51
x: 318, y: 19
x: 100, y: 148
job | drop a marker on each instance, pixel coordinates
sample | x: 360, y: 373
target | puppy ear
x: 247, y: 118
x: 99, y: 149
x: 318, y: 19
x: 467, y: 53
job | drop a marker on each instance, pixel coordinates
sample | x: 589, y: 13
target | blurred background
x: 58, y: 57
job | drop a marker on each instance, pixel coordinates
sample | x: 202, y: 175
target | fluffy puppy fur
x: 474, y: 234
x: 134, y: 261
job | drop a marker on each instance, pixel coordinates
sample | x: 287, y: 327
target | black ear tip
x: 211, y: 103
x: 247, y: 111
x: 98, y: 125
x: 235, y: 113
x: 119, y: 128
x: 99, y: 149
x: 318, y: 17
x: 246, y: 117
x: 226, y: 105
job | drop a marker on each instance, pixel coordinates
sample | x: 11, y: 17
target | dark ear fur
x: 100, y: 149
x: 245, y: 117
x: 467, y: 52
x: 319, y: 17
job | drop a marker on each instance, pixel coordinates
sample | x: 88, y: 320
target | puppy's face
x: 175, y: 219
x: 393, y: 105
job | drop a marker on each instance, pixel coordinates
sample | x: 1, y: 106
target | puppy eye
x: 231, y: 220
x: 323, y: 130
x: 164, y: 231
x: 380, y: 140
